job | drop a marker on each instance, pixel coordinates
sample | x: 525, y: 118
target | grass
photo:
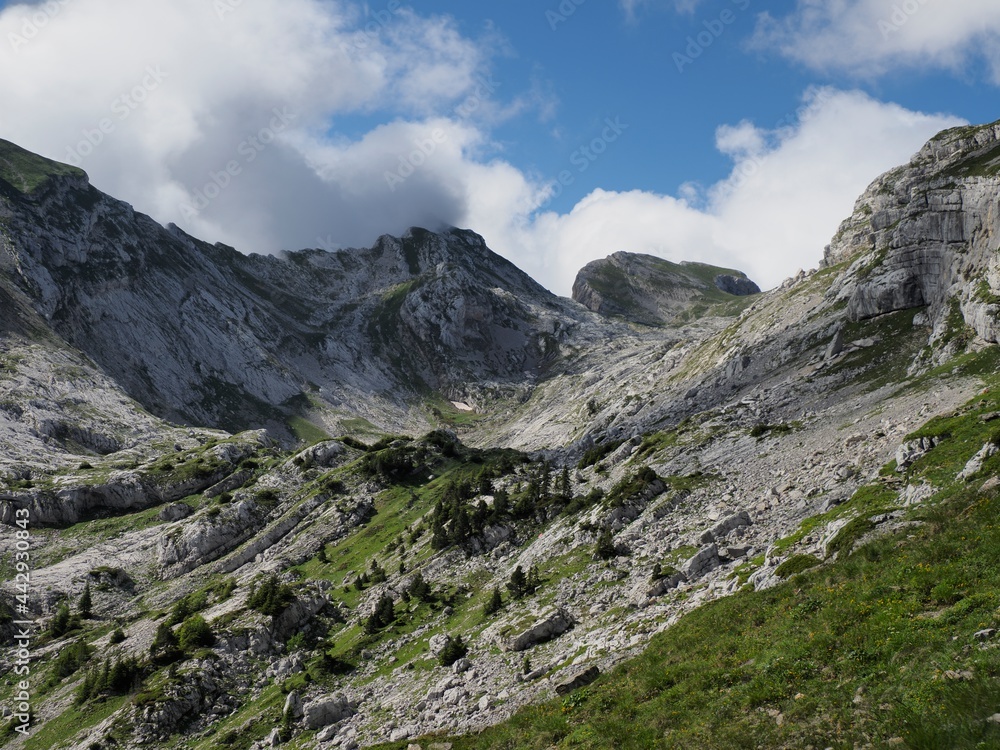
x: 795, y: 565
x: 986, y: 164
x: 58, y: 731
x: 896, y: 344
x: 878, y: 621
x: 26, y: 171
x: 63, y: 543
x: 449, y: 415
x: 250, y: 724
x: 306, y: 431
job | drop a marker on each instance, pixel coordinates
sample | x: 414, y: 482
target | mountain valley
x: 404, y: 496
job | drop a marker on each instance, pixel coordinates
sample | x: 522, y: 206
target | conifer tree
x: 494, y: 604
x: 86, y: 602
x: 565, y: 486
x: 518, y: 583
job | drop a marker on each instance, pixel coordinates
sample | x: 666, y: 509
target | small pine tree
x: 420, y: 589
x: 440, y: 539
x: 377, y: 573
x: 321, y: 555
x: 86, y: 688
x: 61, y: 621
x: 461, y: 525
x: 484, y: 485
x: 194, y: 633
x: 494, y: 604
x: 545, y: 483
x: 164, y: 645
x: 565, y: 486
x: 534, y: 580
x: 386, y: 610
x: 454, y: 650
x: 501, y: 503
x: 287, y: 726
x: 86, y: 603
x: 518, y: 583
x: 605, y: 549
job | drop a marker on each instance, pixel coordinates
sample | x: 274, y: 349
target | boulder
x: 321, y: 454
x: 702, y: 563
x: 437, y: 644
x: 293, y: 706
x: 323, y: 713
x: 912, y: 451
x: 665, y: 584
x: 552, y: 626
x: 725, y: 526
x: 573, y: 679
x: 975, y: 464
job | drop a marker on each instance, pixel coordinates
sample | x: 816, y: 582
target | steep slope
x: 203, y: 334
x: 653, y: 291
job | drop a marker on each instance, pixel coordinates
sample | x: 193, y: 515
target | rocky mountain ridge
x: 660, y: 467
x: 202, y: 334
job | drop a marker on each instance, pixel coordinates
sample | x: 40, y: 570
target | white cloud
x: 789, y: 189
x: 219, y: 77
x: 631, y: 7
x: 870, y: 37
x: 207, y: 116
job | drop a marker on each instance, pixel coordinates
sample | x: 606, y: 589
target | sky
x: 732, y: 132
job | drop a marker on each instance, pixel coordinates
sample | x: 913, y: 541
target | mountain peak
x: 653, y: 291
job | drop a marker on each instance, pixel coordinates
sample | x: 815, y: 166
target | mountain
x: 666, y: 514
x: 653, y: 291
x: 204, y: 335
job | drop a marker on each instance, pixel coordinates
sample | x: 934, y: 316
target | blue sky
x: 737, y: 132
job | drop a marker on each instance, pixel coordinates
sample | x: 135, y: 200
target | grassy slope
x: 26, y: 171
x: 876, y: 647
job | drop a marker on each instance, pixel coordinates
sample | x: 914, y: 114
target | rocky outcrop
x: 738, y: 286
x: 652, y: 291
x: 725, y: 526
x: 665, y: 584
x: 912, y: 451
x: 926, y: 233
x: 975, y: 464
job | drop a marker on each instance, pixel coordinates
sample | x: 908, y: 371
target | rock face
x: 653, y: 291
x: 202, y: 334
x: 924, y: 235
x: 702, y: 563
x: 725, y: 526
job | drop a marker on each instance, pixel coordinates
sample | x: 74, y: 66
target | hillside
x: 653, y: 291
x: 758, y: 520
